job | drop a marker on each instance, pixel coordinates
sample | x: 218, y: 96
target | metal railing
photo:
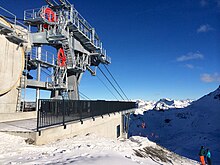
x: 8, y: 16
x: 46, y: 56
x: 104, y: 55
x: 73, y: 17
x: 83, y: 26
x: 32, y: 14
x: 59, y: 112
x: 19, y: 27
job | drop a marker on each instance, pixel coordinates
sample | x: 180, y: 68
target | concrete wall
x: 11, y: 67
x: 105, y: 127
x: 8, y: 102
x: 26, y: 135
x: 4, y: 117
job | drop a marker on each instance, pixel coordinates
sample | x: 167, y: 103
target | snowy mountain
x: 184, y: 130
x: 162, y: 104
x: 144, y: 105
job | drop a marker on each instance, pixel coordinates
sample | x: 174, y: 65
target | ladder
x: 21, y: 94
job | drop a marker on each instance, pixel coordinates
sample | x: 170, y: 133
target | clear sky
x: 158, y: 48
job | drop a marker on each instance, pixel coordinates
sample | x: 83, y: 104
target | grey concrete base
x: 4, y: 117
x: 105, y: 126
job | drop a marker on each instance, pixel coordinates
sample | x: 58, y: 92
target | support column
x: 93, y: 35
x: 39, y: 52
x: 125, y: 120
x: 73, y: 87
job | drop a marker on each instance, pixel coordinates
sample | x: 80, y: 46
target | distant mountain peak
x: 217, y: 93
x: 209, y: 101
x: 163, y: 104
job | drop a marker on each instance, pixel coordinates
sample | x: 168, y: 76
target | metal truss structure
x: 61, y: 26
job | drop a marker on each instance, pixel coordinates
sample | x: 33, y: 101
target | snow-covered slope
x: 88, y: 149
x: 180, y: 130
x: 184, y: 130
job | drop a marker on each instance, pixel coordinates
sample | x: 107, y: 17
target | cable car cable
x: 115, y: 81
x: 84, y: 95
x: 107, y: 87
x: 110, y: 82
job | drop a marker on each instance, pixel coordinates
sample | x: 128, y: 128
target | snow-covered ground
x: 88, y: 149
x: 183, y: 130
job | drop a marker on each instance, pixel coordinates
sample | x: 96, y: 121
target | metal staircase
x: 60, y: 76
x: 68, y: 51
x: 59, y: 79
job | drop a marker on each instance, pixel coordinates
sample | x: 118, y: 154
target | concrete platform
x: 105, y: 126
x: 23, y: 128
x: 17, y: 116
x: 29, y: 125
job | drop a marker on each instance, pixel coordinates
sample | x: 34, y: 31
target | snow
x: 180, y: 130
x: 83, y: 150
x: 162, y: 104
x: 144, y: 105
x: 183, y: 130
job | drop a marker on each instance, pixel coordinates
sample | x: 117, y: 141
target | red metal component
x: 49, y: 15
x: 61, y: 58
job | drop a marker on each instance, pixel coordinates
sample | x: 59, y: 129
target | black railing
x: 56, y: 112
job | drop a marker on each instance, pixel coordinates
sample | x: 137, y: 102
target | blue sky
x: 158, y: 48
